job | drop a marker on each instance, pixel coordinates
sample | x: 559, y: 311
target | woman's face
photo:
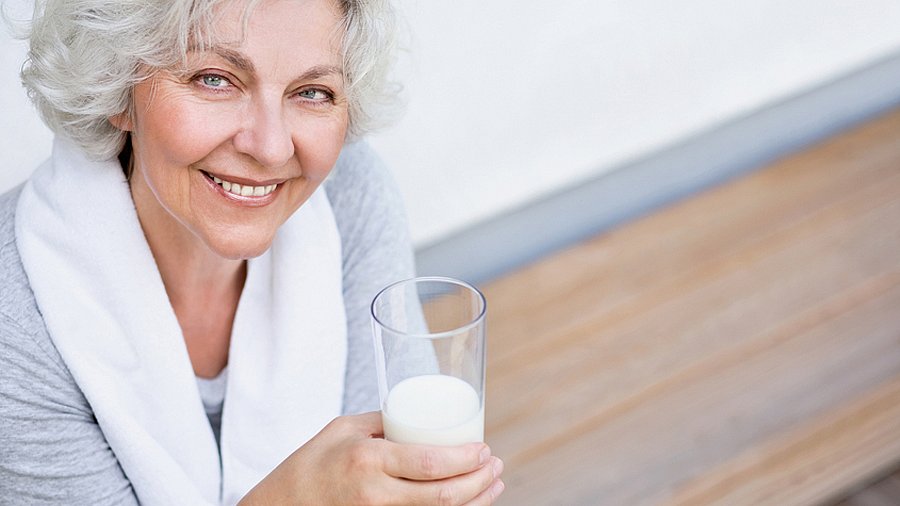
x: 226, y: 149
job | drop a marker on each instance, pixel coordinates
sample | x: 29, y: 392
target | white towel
x: 105, y: 306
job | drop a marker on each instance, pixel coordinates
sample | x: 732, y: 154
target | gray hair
x: 85, y: 57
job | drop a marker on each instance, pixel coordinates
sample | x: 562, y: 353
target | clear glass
x: 430, y: 358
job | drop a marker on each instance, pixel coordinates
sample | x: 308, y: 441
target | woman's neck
x: 203, y: 287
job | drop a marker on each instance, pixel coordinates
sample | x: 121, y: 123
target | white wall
x: 24, y: 140
x: 510, y: 100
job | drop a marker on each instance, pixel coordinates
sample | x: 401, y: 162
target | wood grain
x: 741, y: 347
x: 883, y: 492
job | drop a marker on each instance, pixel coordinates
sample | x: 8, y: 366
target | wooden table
x: 739, y: 348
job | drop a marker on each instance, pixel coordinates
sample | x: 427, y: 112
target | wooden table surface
x: 739, y: 348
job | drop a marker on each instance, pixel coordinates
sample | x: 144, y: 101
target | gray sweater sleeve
x: 376, y: 252
x: 52, y: 450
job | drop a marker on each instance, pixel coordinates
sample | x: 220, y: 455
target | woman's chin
x: 239, y: 247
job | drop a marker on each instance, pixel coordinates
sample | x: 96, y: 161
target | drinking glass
x: 430, y: 359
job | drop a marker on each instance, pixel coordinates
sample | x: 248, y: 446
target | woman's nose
x: 265, y: 135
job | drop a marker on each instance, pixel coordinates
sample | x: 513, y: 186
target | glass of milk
x: 430, y: 359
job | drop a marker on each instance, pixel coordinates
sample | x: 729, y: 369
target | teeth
x: 245, y: 190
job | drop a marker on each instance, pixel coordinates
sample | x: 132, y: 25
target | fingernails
x: 497, y: 488
x: 484, y: 455
x: 497, y: 467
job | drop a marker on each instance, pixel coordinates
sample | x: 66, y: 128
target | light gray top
x: 212, y: 394
x: 51, y: 448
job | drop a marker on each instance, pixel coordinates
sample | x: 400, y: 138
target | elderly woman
x: 183, y: 317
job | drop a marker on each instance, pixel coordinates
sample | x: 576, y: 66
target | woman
x: 183, y: 318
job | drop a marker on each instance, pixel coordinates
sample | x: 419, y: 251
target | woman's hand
x: 348, y: 463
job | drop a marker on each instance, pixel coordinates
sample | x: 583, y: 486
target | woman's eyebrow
x: 318, y: 71
x: 243, y: 63
x: 235, y: 58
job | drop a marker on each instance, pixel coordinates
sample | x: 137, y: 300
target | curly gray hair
x: 85, y: 57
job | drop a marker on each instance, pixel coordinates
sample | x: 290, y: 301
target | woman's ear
x: 122, y: 121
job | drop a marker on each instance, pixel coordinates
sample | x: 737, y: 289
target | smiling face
x: 227, y: 148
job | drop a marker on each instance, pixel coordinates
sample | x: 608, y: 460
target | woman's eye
x: 214, y: 81
x: 315, y: 94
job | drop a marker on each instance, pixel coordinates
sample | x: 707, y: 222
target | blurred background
x: 685, y: 216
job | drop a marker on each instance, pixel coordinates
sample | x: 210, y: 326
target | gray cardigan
x: 51, y: 448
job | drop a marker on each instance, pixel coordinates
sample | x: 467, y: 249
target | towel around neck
x: 105, y: 306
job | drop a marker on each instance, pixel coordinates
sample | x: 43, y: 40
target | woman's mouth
x: 242, y: 190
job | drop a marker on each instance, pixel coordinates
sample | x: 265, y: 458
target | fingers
x: 489, y: 495
x: 376, y: 471
x: 419, y: 462
x: 479, y: 487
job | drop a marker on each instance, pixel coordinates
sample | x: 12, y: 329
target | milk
x: 433, y: 409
